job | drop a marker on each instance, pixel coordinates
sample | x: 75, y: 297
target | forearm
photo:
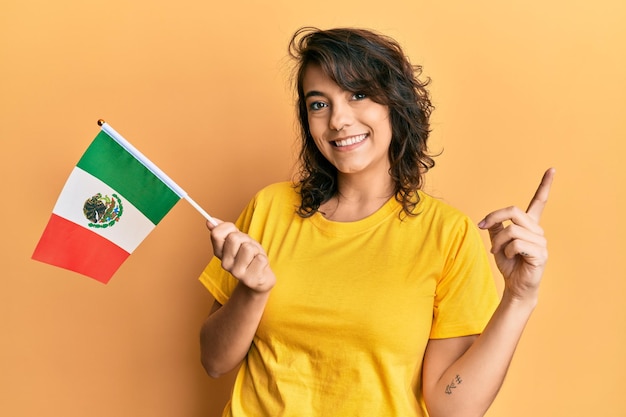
x: 470, y: 384
x: 227, y: 333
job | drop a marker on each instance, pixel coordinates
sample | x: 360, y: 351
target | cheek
x: 317, y: 142
x: 316, y: 128
x: 321, y: 146
x: 385, y: 125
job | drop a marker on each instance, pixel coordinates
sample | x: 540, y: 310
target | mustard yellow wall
x: 201, y: 88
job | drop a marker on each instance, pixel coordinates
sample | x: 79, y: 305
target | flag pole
x: 154, y: 169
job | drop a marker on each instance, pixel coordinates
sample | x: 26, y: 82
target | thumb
x: 211, y: 226
x: 495, y: 229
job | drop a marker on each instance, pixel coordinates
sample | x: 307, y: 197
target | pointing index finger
x: 539, y: 200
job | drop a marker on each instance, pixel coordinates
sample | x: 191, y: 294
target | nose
x: 341, y: 116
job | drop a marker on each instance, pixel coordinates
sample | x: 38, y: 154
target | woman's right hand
x: 242, y: 256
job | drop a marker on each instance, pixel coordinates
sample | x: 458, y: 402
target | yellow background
x: 202, y: 89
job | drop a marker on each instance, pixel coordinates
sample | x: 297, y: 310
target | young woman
x: 352, y: 292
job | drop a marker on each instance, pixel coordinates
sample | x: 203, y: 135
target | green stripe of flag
x: 112, y: 164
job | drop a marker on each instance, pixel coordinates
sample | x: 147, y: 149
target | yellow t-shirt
x: 346, y: 325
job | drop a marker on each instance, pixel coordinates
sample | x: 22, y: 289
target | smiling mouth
x: 349, y: 141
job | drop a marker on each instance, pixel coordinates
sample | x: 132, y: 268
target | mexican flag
x: 111, y: 201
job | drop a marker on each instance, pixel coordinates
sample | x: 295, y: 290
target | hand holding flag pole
x: 113, y: 198
x: 154, y: 169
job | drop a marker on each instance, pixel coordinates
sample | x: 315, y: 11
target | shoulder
x: 278, y: 188
x: 281, y: 191
x: 273, y: 205
x: 436, y: 208
x: 279, y: 198
x: 445, y: 223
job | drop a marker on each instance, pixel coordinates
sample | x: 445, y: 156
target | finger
x: 539, y: 200
x: 530, y: 253
x: 258, y: 264
x: 235, y: 243
x: 515, y: 233
x: 493, y: 221
x: 222, y: 230
x: 259, y: 268
x: 247, y: 252
x: 219, y: 235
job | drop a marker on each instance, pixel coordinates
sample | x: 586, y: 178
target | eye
x: 359, y: 96
x: 317, y: 105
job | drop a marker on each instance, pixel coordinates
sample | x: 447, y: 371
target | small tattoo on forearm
x: 453, y: 384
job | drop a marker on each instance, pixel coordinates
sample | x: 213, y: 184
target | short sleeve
x: 465, y: 296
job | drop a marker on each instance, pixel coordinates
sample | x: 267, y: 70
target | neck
x: 360, y: 188
x: 358, y: 197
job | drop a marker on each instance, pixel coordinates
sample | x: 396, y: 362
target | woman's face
x: 350, y: 130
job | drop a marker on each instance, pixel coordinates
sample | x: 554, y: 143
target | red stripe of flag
x: 70, y: 246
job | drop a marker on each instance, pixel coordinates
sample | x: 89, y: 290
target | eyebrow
x: 313, y: 93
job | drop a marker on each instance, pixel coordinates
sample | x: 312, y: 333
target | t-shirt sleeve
x: 219, y: 282
x: 466, y: 296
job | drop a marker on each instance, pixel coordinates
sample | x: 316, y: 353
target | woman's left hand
x: 520, y: 248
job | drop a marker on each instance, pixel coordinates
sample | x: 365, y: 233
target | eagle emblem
x: 103, y: 211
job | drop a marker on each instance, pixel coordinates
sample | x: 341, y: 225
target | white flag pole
x: 200, y: 210
x: 153, y: 168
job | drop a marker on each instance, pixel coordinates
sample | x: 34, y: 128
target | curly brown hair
x: 363, y: 61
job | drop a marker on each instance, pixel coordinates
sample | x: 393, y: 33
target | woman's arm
x: 227, y: 333
x: 461, y: 376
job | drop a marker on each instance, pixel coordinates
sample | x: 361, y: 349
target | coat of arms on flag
x: 111, y: 201
x: 103, y: 211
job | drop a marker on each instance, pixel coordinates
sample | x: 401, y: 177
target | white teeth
x: 350, y: 141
